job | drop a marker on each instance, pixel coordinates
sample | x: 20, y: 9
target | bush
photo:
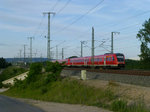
x: 1, y: 85
x: 52, y: 77
x: 18, y: 83
x: 35, y: 69
x: 44, y: 90
x: 53, y: 67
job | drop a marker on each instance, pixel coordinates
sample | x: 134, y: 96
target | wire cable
x: 80, y: 17
x: 55, y: 5
x: 61, y: 9
x: 38, y: 27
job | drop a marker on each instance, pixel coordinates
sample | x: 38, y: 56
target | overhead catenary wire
x: 127, y: 19
x: 56, y: 3
x: 38, y: 27
x: 40, y: 24
x: 127, y: 28
x: 120, y: 29
x: 62, y: 8
x: 80, y: 17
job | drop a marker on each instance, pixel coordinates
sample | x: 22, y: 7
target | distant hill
x: 11, y: 60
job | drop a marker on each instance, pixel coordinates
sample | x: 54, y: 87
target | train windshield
x: 120, y: 57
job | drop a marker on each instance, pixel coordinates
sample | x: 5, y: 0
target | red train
x: 109, y: 60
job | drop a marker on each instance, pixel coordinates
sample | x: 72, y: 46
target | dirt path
x: 60, y: 107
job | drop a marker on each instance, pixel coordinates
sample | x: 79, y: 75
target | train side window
x: 110, y: 58
x: 107, y: 59
x: 113, y: 59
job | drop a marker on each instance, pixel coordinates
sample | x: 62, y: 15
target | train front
x: 120, y: 60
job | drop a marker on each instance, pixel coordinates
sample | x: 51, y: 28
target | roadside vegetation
x: 45, y: 83
x: 10, y: 72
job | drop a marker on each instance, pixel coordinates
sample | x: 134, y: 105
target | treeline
x: 137, y: 64
x: 3, y: 63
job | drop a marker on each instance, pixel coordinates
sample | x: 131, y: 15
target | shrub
x: 35, y: 69
x: 17, y: 82
x: 53, y: 67
x: 52, y: 77
x: 1, y: 85
x: 44, y: 90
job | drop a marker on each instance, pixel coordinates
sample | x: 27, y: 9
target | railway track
x: 127, y: 72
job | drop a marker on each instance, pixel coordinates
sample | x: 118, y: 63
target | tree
x: 3, y: 63
x: 144, y: 36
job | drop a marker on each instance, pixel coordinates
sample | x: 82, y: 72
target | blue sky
x: 20, y: 19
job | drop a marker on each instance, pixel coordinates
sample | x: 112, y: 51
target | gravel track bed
x: 128, y: 72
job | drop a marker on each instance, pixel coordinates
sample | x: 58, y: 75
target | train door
x: 111, y: 60
x: 85, y: 62
x: 104, y: 61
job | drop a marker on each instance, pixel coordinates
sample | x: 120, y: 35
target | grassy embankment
x: 10, y: 72
x: 50, y: 86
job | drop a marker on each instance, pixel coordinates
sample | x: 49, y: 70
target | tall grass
x: 122, y: 106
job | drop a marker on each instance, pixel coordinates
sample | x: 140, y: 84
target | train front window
x: 120, y: 58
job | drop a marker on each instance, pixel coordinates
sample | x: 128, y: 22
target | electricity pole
x: 48, y: 35
x: 82, y: 42
x: 56, y: 52
x: 62, y: 53
x: 112, y: 36
x: 30, y: 49
x: 20, y: 51
x: 25, y: 53
x: 92, y: 46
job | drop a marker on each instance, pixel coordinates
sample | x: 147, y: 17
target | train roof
x: 77, y: 58
x: 94, y: 56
